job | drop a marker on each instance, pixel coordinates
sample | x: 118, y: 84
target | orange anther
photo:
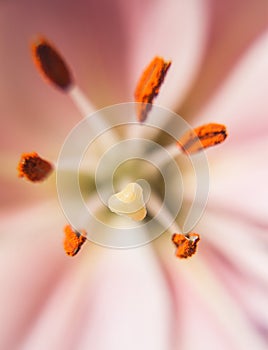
x: 202, y: 137
x: 148, y: 86
x: 73, y: 240
x: 33, y: 167
x: 50, y: 64
x: 186, y: 244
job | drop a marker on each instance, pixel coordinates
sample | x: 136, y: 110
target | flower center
x: 129, y: 202
x: 99, y: 130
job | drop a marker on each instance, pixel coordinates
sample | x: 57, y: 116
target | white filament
x: 86, y: 109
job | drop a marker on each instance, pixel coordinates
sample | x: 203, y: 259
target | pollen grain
x: 73, y: 240
x: 186, y: 244
x: 202, y: 137
x: 149, y: 84
x: 50, y: 64
x: 33, y: 167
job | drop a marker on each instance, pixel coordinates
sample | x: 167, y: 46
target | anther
x: 186, y: 244
x: 73, y: 240
x: 202, y: 137
x: 148, y: 86
x: 50, y: 64
x: 33, y: 167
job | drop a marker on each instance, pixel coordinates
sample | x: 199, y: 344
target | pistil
x: 129, y: 202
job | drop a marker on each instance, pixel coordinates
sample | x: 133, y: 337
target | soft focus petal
x: 233, y: 27
x: 242, y: 244
x: 31, y: 265
x: 105, y: 299
x: 239, y: 169
x: 237, y: 252
x: 213, y: 308
x: 177, y: 31
x: 238, y: 183
x: 251, y: 296
x: 241, y: 102
x: 131, y: 307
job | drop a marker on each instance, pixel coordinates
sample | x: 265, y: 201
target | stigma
x: 129, y: 202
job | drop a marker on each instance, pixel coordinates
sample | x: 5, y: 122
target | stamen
x: 149, y: 84
x: 202, y: 137
x: 54, y: 69
x: 73, y: 240
x: 50, y: 64
x: 186, y: 244
x: 81, y: 101
x: 33, y: 167
x: 129, y: 202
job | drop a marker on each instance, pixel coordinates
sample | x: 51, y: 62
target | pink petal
x: 99, y: 298
x: 117, y: 301
x: 238, y: 182
x: 175, y: 30
x: 238, y: 167
x: 243, y: 244
x: 233, y: 27
x: 204, y: 305
x: 237, y: 254
x: 251, y: 296
x: 241, y: 102
x: 32, y: 262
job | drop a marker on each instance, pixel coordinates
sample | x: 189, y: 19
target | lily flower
x: 142, y: 298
